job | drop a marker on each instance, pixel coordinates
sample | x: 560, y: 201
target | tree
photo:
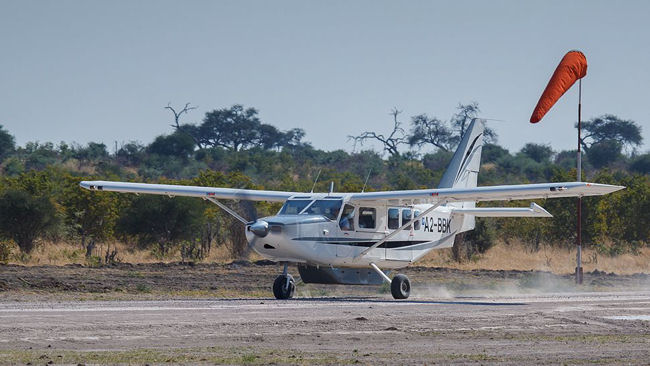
x: 7, y: 143
x: 391, y: 142
x: 446, y: 136
x: 177, y: 144
x: 160, y: 220
x: 292, y: 138
x: 131, y: 153
x: 426, y: 130
x: 566, y: 159
x: 189, y: 130
x: 92, y: 152
x: 24, y: 217
x: 538, y: 152
x: 477, y: 241
x: 91, y: 215
x: 492, y: 153
x: 610, y: 128
x: 233, y: 128
x: 604, y: 152
x: 641, y: 164
x: 238, y: 128
x: 462, y: 118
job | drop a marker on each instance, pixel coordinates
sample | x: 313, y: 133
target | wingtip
x: 541, y: 211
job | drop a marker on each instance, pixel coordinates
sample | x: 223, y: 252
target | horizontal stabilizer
x: 534, y: 210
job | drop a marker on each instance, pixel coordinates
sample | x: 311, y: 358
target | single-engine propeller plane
x: 357, y: 238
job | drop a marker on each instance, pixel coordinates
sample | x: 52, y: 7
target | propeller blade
x: 249, y: 208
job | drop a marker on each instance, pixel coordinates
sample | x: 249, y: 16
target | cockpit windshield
x: 327, y: 208
x: 294, y: 207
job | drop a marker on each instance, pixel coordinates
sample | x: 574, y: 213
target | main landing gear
x: 400, y: 286
x: 284, y: 287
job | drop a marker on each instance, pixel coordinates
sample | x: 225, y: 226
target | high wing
x: 188, y: 191
x: 490, y: 193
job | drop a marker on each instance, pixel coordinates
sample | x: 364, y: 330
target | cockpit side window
x: 294, y: 207
x: 327, y: 208
x: 346, y: 222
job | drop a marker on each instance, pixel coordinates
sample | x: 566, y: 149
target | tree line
x: 41, y: 202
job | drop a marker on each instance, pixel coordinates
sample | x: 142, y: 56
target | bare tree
x: 391, y: 142
x: 184, y: 128
x: 465, y: 114
x: 462, y: 118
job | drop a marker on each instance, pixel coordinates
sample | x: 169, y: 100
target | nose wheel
x: 284, y: 287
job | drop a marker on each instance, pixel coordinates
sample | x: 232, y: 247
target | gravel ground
x: 482, y: 317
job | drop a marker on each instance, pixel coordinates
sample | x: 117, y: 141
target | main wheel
x: 280, y: 289
x: 400, y: 287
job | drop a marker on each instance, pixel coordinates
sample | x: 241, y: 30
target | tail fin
x: 462, y: 171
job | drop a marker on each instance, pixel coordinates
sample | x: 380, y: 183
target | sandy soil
x: 169, y: 314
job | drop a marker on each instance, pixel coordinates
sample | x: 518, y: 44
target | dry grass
x: 560, y: 261
x: 62, y: 253
x: 501, y: 256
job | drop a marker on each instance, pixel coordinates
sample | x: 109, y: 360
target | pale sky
x: 80, y: 71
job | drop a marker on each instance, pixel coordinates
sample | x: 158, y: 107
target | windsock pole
x: 579, y: 171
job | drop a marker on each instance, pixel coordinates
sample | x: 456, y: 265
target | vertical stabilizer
x: 462, y: 171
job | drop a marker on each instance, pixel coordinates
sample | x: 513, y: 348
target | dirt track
x: 454, y: 317
x: 244, y: 279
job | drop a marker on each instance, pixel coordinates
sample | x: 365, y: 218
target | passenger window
x: 367, y: 218
x: 393, y: 218
x: 406, y: 217
x: 347, y: 218
x: 416, y: 221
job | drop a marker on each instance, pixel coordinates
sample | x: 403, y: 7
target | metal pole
x: 579, y: 129
x: 579, y: 171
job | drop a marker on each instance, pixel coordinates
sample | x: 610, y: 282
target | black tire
x: 279, y: 287
x: 400, y: 287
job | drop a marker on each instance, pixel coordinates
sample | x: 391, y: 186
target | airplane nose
x: 259, y: 228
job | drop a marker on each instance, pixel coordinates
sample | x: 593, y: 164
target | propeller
x: 259, y: 228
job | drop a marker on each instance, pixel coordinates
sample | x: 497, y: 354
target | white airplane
x: 353, y: 238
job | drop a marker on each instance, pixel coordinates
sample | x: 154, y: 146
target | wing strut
x: 382, y: 241
x: 381, y: 273
x: 227, y: 209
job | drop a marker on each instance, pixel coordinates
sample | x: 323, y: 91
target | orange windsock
x: 572, y: 67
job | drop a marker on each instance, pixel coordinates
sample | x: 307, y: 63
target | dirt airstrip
x: 211, y: 313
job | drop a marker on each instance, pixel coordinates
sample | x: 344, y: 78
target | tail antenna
x: 315, y: 181
x: 366, y: 181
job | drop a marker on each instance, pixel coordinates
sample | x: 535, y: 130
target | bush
x: 24, y: 218
x: 5, y: 251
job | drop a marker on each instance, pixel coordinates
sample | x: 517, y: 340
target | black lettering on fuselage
x: 442, y: 225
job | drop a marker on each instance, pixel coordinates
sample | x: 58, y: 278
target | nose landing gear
x: 284, y: 287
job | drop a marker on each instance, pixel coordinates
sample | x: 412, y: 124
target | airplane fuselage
x: 338, y: 237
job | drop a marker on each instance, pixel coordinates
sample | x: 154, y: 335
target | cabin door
x: 399, y: 247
